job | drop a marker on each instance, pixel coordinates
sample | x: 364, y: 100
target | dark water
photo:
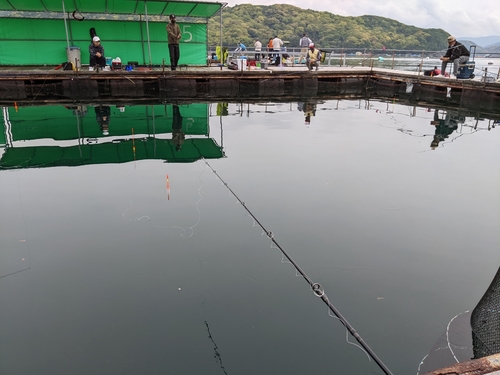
x: 106, y: 271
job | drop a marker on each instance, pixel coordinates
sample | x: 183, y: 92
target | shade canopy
x: 130, y: 7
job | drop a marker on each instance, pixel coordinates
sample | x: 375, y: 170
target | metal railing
x: 413, y: 60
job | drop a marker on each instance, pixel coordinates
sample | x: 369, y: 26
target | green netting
x: 154, y: 7
x: 107, y: 153
x: 485, y: 321
x: 61, y: 123
x: 43, y: 41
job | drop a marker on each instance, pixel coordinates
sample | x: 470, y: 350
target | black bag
x: 68, y: 66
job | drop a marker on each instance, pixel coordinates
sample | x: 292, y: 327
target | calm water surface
x: 154, y: 267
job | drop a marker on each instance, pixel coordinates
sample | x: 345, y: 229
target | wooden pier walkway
x: 42, y: 85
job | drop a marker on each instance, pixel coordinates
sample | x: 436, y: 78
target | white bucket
x: 73, y: 54
x: 242, y: 64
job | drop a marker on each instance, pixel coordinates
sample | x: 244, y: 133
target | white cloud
x: 458, y: 17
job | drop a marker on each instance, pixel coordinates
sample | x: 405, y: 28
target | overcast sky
x: 458, y: 17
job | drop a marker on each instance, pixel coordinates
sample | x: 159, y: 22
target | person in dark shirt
x: 174, y: 35
x: 456, y: 53
x: 96, y: 52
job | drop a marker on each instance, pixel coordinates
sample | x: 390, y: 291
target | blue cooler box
x: 466, y: 71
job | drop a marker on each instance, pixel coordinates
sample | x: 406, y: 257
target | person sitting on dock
x: 456, y: 53
x: 312, y: 57
x: 96, y: 51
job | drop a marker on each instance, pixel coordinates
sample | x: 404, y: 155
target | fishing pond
x: 151, y: 238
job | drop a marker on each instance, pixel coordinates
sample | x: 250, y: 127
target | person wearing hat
x: 174, y: 35
x: 96, y: 52
x: 312, y: 57
x: 456, y: 53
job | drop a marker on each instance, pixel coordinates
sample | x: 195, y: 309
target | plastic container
x: 108, y: 60
x: 73, y: 54
x: 242, y: 63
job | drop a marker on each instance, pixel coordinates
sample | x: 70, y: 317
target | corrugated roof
x: 136, y: 7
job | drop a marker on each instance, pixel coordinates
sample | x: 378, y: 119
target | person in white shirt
x: 277, y: 44
x: 258, y: 49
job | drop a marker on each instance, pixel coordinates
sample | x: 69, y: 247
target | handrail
x: 385, y: 58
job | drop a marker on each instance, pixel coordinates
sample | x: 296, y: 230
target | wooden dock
x: 41, y: 85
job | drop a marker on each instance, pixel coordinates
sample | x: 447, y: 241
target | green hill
x: 247, y: 22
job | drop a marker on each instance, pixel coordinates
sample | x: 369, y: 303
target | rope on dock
x: 316, y: 288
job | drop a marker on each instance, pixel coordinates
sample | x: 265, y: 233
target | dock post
x: 421, y: 62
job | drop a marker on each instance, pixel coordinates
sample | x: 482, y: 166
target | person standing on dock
x: 258, y: 49
x: 174, y: 35
x: 270, y: 48
x: 96, y: 52
x: 304, y: 44
x: 456, y: 53
x: 277, y: 44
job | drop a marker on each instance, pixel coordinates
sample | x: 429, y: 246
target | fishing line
x: 146, y: 218
x: 448, y: 334
x: 316, y: 288
x: 25, y: 232
x: 448, y: 343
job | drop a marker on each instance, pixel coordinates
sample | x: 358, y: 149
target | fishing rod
x: 315, y: 287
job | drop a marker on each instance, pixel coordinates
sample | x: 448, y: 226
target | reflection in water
x: 41, y: 137
x: 485, y: 321
x: 177, y: 133
x: 102, y: 114
x: 309, y: 109
x: 381, y: 163
x: 444, y: 126
x: 217, y: 355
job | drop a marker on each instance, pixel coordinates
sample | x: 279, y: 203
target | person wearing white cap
x: 96, y: 52
x: 312, y: 57
x: 456, y: 53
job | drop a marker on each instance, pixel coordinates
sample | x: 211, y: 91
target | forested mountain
x: 247, y: 22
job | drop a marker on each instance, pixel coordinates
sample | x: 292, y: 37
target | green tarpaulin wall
x: 122, y: 152
x: 61, y: 123
x: 30, y: 41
